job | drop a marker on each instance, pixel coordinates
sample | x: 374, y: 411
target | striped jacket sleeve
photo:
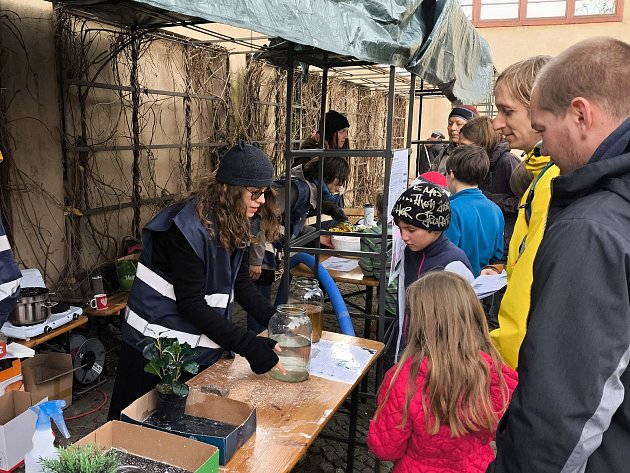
x: 10, y: 276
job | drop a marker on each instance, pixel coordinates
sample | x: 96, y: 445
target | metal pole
x: 287, y: 169
x: 322, y: 141
x: 188, y: 119
x: 412, y: 99
x: 135, y: 131
x: 419, y: 120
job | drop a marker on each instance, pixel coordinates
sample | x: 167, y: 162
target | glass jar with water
x: 305, y: 293
x: 292, y: 329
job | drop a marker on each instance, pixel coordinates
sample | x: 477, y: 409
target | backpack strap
x: 530, y: 195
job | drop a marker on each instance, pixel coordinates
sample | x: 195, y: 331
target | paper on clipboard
x: 339, y: 361
x: 335, y: 263
x: 486, y: 285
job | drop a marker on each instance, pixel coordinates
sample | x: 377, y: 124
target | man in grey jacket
x: 569, y: 412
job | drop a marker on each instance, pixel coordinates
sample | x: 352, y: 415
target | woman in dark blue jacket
x: 496, y: 185
x: 192, y: 270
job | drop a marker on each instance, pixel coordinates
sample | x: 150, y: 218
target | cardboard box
x: 209, y: 406
x: 49, y: 374
x: 11, y: 378
x: 159, y: 446
x: 17, y: 426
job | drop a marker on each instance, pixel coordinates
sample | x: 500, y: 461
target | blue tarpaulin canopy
x: 432, y: 39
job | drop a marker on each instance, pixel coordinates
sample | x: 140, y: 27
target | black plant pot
x: 170, y: 407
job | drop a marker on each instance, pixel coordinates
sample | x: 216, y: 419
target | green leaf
x: 168, y: 379
x: 170, y: 359
x: 152, y: 367
x: 174, y: 351
x: 180, y: 389
x: 191, y: 367
x: 87, y: 458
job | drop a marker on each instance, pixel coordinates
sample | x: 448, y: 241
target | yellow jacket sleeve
x: 523, y: 248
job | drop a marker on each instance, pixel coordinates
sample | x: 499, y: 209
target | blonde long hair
x: 225, y: 203
x: 448, y: 327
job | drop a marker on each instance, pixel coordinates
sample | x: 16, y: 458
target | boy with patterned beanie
x: 422, y: 214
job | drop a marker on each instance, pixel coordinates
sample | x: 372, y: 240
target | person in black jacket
x: 496, y: 185
x: 192, y: 269
x: 570, y: 411
x: 335, y: 136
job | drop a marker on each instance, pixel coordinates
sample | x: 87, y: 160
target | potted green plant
x: 168, y: 359
x: 88, y: 458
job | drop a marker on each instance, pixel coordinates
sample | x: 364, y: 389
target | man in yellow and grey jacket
x: 528, y: 233
x: 512, y: 96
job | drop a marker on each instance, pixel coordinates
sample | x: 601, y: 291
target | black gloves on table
x: 332, y: 209
x: 260, y: 354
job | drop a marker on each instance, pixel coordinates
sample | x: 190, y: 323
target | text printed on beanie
x: 425, y: 206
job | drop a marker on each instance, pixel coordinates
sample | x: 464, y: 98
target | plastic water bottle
x: 43, y: 438
x: 368, y: 214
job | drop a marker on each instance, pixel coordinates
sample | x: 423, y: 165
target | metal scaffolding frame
x: 298, y: 245
x: 332, y: 65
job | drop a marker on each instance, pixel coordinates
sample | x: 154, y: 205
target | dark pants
x: 264, y: 285
x: 132, y: 381
x: 491, y: 305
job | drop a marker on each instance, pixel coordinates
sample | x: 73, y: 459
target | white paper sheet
x: 398, y: 179
x: 397, y: 185
x: 335, y: 263
x: 460, y: 268
x: 486, y: 285
x: 339, y: 361
x: 16, y: 350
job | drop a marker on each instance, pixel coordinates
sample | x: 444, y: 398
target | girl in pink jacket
x: 438, y: 408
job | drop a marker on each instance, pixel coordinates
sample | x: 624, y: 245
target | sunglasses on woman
x: 258, y: 192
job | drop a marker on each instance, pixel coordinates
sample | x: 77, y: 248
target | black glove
x: 260, y: 355
x: 332, y: 209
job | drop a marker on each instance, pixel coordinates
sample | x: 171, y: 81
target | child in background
x: 438, y: 408
x: 476, y: 222
x: 422, y: 213
x: 520, y: 179
x: 496, y: 184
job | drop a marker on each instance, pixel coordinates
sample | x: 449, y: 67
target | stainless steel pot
x: 32, y: 308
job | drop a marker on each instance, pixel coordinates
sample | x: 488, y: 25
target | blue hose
x: 343, y: 316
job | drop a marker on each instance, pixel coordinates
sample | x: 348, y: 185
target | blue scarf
x: 327, y: 195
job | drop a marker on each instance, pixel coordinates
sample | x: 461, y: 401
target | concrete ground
x: 89, y: 411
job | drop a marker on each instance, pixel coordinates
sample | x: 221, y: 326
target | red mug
x: 99, y: 302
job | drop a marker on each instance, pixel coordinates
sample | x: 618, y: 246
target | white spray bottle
x: 43, y: 438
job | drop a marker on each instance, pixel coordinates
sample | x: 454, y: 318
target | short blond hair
x: 597, y: 69
x: 519, y: 77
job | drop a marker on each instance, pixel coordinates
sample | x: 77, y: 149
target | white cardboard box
x: 17, y: 426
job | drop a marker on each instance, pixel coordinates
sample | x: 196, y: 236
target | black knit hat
x: 335, y: 121
x: 424, y: 206
x: 245, y: 165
